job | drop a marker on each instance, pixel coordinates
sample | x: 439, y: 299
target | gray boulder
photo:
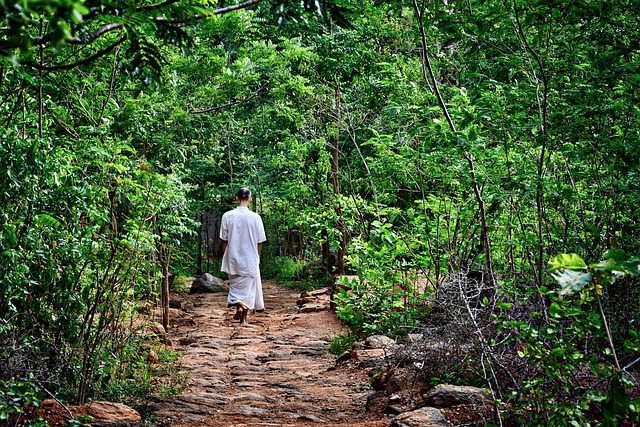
x: 446, y: 395
x: 207, y: 283
x: 422, y: 417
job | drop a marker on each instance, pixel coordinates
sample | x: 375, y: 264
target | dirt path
x: 277, y: 373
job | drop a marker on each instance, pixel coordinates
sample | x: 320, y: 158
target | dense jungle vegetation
x: 476, y: 154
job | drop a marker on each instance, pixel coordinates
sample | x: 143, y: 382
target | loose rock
x: 207, y: 283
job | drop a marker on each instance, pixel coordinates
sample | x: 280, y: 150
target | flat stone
x: 423, y: 417
x: 287, y: 385
x: 248, y: 396
x: 369, y: 354
x: 251, y: 411
x: 309, y: 417
x: 445, y: 395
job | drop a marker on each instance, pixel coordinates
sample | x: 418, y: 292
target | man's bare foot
x: 240, y: 308
x: 246, y: 325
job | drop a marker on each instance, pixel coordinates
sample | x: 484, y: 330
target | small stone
x: 309, y: 417
x: 377, y: 402
x: 374, y: 353
x: 379, y: 341
x: 187, y: 341
x: 250, y: 411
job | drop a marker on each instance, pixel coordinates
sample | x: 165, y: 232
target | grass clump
x: 343, y: 343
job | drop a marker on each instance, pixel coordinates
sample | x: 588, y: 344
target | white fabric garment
x: 247, y: 290
x: 242, y: 229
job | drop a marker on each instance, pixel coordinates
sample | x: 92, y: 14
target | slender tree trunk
x: 336, y: 189
x: 483, y: 221
x: 40, y: 100
x: 204, y: 228
x: 164, y: 258
x: 543, y: 113
x: 230, y: 167
x: 114, y: 69
x: 426, y: 64
x: 434, y: 84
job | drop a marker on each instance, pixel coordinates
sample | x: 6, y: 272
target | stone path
x: 277, y: 373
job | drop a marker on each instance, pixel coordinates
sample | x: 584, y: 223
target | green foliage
x: 100, y: 171
x: 133, y: 380
x: 343, y: 343
x: 182, y: 284
x: 79, y: 225
x: 18, y: 398
x: 384, y: 297
x: 573, y: 274
x: 570, y: 343
x: 288, y: 270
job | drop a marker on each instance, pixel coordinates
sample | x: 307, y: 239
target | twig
x: 79, y: 63
x: 37, y: 41
x: 230, y: 104
x: 57, y: 400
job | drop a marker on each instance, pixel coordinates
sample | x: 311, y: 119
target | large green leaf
x: 567, y: 262
x: 571, y: 281
x: 632, y: 266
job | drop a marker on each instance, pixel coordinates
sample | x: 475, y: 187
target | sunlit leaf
x: 571, y: 281
x: 567, y: 262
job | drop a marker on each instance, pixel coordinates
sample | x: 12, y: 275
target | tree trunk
x: 336, y: 191
x: 164, y: 259
x: 164, y: 302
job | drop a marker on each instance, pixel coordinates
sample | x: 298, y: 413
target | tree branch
x: 230, y: 104
x: 37, y: 41
x: 220, y: 11
x: 79, y: 63
x: 427, y: 64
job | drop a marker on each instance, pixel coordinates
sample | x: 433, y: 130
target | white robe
x: 242, y: 229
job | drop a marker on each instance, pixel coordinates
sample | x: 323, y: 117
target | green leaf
x: 606, y: 264
x: 617, y: 404
x: 504, y: 305
x: 46, y: 220
x: 567, y: 262
x: 616, y: 255
x: 571, y: 281
x: 632, y: 266
x: 555, y: 310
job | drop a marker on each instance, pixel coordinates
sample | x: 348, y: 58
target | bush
x: 135, y: 381
x: 287, y: 271
x: 17, y: 399
x: 569, y: 369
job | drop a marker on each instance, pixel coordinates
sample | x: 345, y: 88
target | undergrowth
x: 135, y: 381
x: 343, y: 343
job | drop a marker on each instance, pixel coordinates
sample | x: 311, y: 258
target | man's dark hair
x: 243, y: 194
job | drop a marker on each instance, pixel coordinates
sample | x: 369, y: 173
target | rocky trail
x: 276, y: 373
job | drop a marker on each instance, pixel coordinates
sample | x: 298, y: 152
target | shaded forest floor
x: 276, y: 373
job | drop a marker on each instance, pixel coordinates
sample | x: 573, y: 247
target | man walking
x: 242, y: 234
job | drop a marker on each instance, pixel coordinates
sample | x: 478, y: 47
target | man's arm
x: 224, y: 246
x: 259, y: 248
